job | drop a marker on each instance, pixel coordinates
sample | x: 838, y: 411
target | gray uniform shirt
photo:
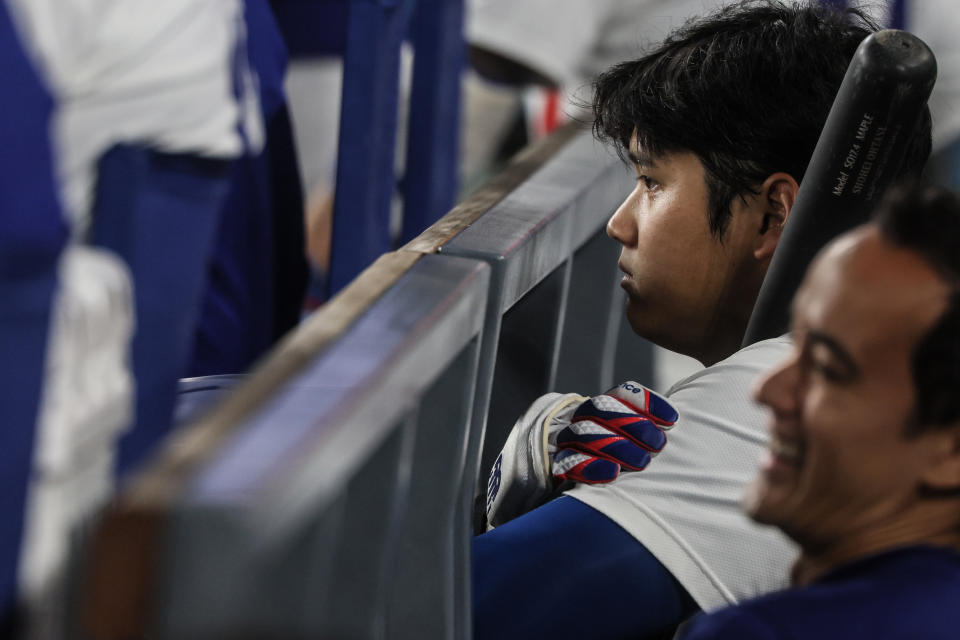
x: 685, y: 507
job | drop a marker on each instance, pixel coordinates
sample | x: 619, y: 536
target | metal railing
x: 331, y: 492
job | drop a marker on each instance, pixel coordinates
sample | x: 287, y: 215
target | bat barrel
x: 859, y: 154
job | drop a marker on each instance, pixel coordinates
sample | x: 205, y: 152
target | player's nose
x: 621, y: 225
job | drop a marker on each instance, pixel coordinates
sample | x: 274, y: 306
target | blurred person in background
x: 533, y: 63
x: 151, y: 104
x: 174, y: 153
x: 159, y: 74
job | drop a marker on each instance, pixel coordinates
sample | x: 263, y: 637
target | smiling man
x: 863, y: 470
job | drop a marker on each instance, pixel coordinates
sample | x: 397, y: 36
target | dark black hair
x: 926, y: 219
x: 747, y: 89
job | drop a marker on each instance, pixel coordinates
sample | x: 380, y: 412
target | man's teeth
x: 782, y: 449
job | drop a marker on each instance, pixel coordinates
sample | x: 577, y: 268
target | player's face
x: 840, y: 466
x: 686, y: 290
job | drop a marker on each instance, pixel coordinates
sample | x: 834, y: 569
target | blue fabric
x: 32, y: 234
x: 158, y: 212
x: 430, y: 183
x: 366, y: 182
x: 313, y: 28
x: 565, y: 570
x: 901, y: 595
x: 258, y: 274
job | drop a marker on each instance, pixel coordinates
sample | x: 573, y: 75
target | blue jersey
x: 908, y: 593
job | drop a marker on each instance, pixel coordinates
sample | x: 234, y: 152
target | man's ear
x: 942, y: 476
x: 775, y: 201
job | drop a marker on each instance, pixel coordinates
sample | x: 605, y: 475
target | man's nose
x: 779, y: 388
x: 621, y: 225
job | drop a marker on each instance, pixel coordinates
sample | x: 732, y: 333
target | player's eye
x: 647, y: 181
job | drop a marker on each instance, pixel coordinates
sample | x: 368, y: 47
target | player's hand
x: 621, y: 429
x: 565, y: 438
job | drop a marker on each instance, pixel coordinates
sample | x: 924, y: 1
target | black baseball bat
x: 858, y: 156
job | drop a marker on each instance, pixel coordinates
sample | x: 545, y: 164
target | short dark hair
x: 926, y: 220
x: 747, y: 89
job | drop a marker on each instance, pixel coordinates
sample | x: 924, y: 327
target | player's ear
x: 775, y: 200
x: 943, y: 474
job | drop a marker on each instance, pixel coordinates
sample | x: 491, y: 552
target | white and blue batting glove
x: 621, y: 429
x: 568, y: 438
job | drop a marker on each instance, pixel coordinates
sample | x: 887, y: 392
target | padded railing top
x: 345, y: 402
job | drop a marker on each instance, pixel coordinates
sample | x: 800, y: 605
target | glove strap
x: 545, y: 434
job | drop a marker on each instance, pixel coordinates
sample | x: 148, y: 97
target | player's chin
x: 649, y: 323
x: 640, y: 315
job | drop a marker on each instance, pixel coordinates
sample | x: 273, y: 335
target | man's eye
x: 827, y: 371
x: 817, y: 365
x: 647, y: 181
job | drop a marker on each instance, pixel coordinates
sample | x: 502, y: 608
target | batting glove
x: 621, y: 429
x: 564, y: 438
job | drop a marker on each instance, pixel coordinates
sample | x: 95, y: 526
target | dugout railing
x: 330, y: 494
